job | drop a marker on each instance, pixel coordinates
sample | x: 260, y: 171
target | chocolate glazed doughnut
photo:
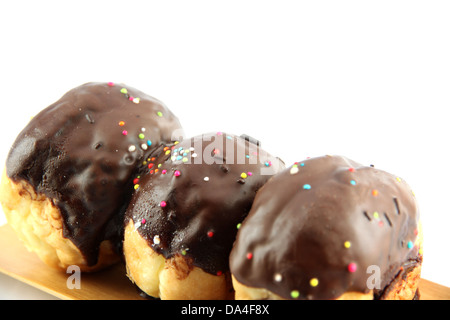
x: 69, y: 173
x: 329, y: 228
x: 182, y: 220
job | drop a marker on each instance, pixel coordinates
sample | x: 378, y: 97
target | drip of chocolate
x: 83, y: 151
x: 323, y: 227
x: 196, y: 193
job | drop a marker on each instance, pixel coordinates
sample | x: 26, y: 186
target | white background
x: 366, y: 79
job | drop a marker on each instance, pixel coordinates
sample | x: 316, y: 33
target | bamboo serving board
x: 109, y: 284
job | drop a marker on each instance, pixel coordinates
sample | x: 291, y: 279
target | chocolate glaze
x: 83, y: 151
x: 327, y: 219
x: 205, y: 196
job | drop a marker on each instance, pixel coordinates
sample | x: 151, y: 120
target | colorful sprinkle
x: 136, y: 100
x: 124, y: 132
x: 141, y: 136
x: 121, y: 123
x: 132, y: 148
x: 206, y: 179
x: 144, y: 146
x: 164, y: 171
x: 159, y: 113
x: 295, y: 294
x: 347, y: 244
x: 243, y: 175
x: 410, y: 244
x: 156, y: 239
x: 294, y: 170
x: 177, y: 173
x: 184, y: 252
x: 111, y: 84
x: 277, y: 277
x: 249, y: 256
x: 314, y: 282
x: 210, y: 234
x: 149, y: 143
x: 162, y: 204
x: 351, y: 267
x: 306, y: 186
x: 352, y: 182
x: 136, y: 186
x: 376, y: 215
x: 238, y: 226
x: 351, y: 169
x: 375, y: 192
x: 268, y: 163
x: 143, y: 221
x: 124, y: 90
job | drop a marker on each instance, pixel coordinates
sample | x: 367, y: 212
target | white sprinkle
x: 194, y: 155
x: 143, y: 129
x: 294, y: 170
x: 206, y: 178
x: 144, y: 146
x: 156, y: 240
x: 277, y: 277
x: 132, y: 148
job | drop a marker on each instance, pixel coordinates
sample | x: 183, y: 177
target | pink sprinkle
x: 351, y: 267
x: 249, y: 173
x: 111, y: 84
x: 131, y: 98
x: 177, y: 173
x: 164, y: 171
x: 143, y: 221
x: 249, y: 256
x: 124, y: 132
x: 163, y: 204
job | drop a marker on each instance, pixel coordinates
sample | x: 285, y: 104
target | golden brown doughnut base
x: 38, y: 223
x: 170, y: 279
x: 403, y: 290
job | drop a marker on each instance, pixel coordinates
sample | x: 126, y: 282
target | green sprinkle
x: 295, y: 294
x: 124, y: 90
x: 159, y: 113
x: 141, y: 136
x: 238, y: 225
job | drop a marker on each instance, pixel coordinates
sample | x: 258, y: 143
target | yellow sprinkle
x: 136, y: 186
x: 347, y: 244
x: 243, y: 175
x: 167, y: 152
x: 314, y: 282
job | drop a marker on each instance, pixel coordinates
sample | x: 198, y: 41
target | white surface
x: 368, y: 80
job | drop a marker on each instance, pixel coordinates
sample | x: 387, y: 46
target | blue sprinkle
x: 149, y: 143
x: 306, y: 186
x: 410, y: 244
x: 179, y: 157
x: 302, y: 164
x: 352, y: 182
